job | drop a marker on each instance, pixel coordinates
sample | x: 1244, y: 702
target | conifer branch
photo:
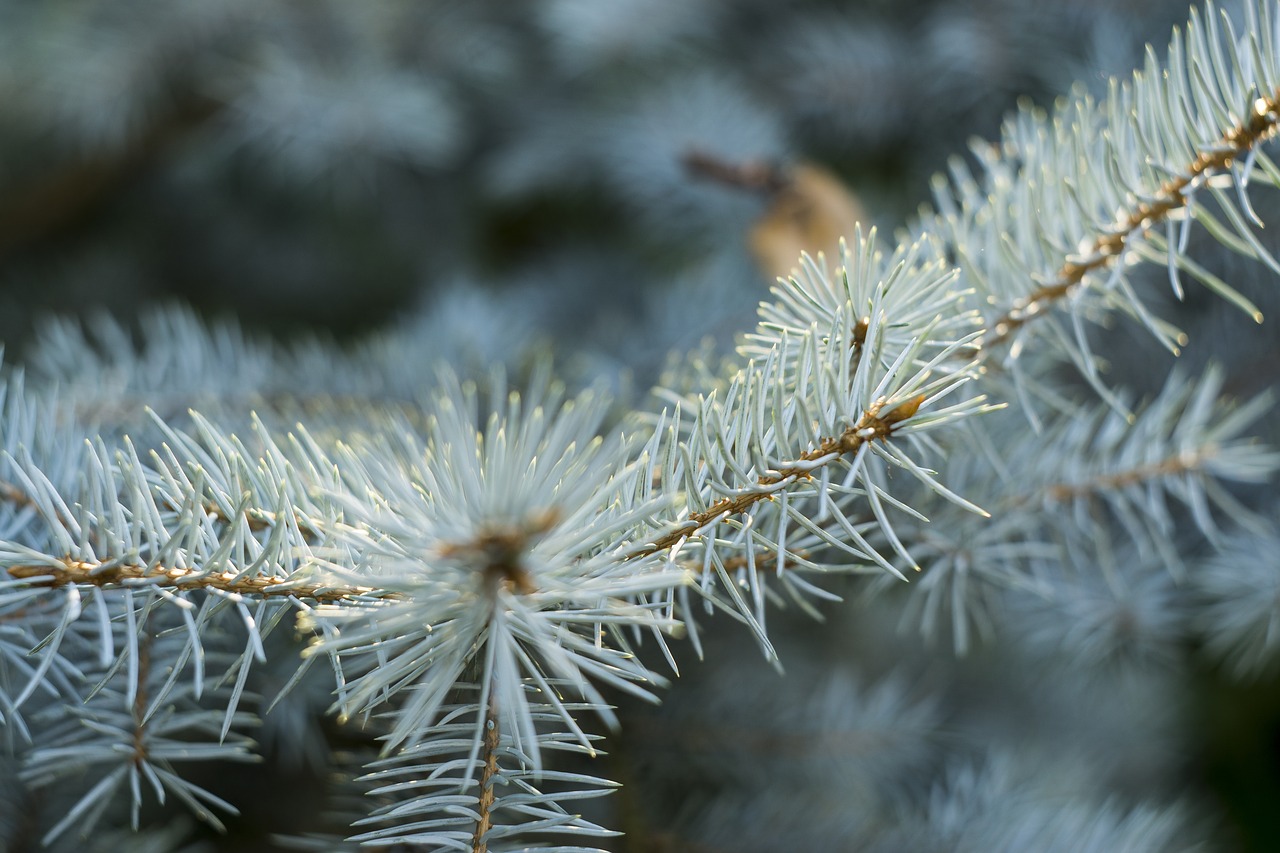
x: 870, y: 427
x: 513, y: 545
x: 1172, y: 195
x: 1182, y: 463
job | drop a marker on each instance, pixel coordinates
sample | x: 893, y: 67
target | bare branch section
x: 140, y: 701
x: 870, y: 426
x: 1263, y: 124
x: 488, y: 776
x: 107, y: 575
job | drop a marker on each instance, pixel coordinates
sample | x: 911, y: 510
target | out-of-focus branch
x: 58, y: 201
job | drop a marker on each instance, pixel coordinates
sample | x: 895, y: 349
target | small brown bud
x: 903, y: 410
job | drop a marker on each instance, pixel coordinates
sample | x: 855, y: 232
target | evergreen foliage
x: 452, y: 585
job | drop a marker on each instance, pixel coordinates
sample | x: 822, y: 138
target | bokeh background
x: 601, y: 178
x: 338, y: 165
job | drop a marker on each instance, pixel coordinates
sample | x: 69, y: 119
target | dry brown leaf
x: 810, y: 212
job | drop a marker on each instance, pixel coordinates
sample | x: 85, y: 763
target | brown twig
x: 762, y: 561
x: 753, y: 176
x: 140, y: 751
x: 70, y: 571
x: 489, y: 755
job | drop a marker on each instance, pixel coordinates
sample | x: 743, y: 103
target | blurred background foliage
x: 616, y: 180
x: 334, y: 164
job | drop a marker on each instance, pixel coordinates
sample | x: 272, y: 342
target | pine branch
x: 471, y: 785
x: 1173, y: 195
x: 1183, y: 463
x: 870, y: 427
x: 1205, y: 436
x: 117, y: 733
x: 1068, y: 196
x: 481, y: 578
